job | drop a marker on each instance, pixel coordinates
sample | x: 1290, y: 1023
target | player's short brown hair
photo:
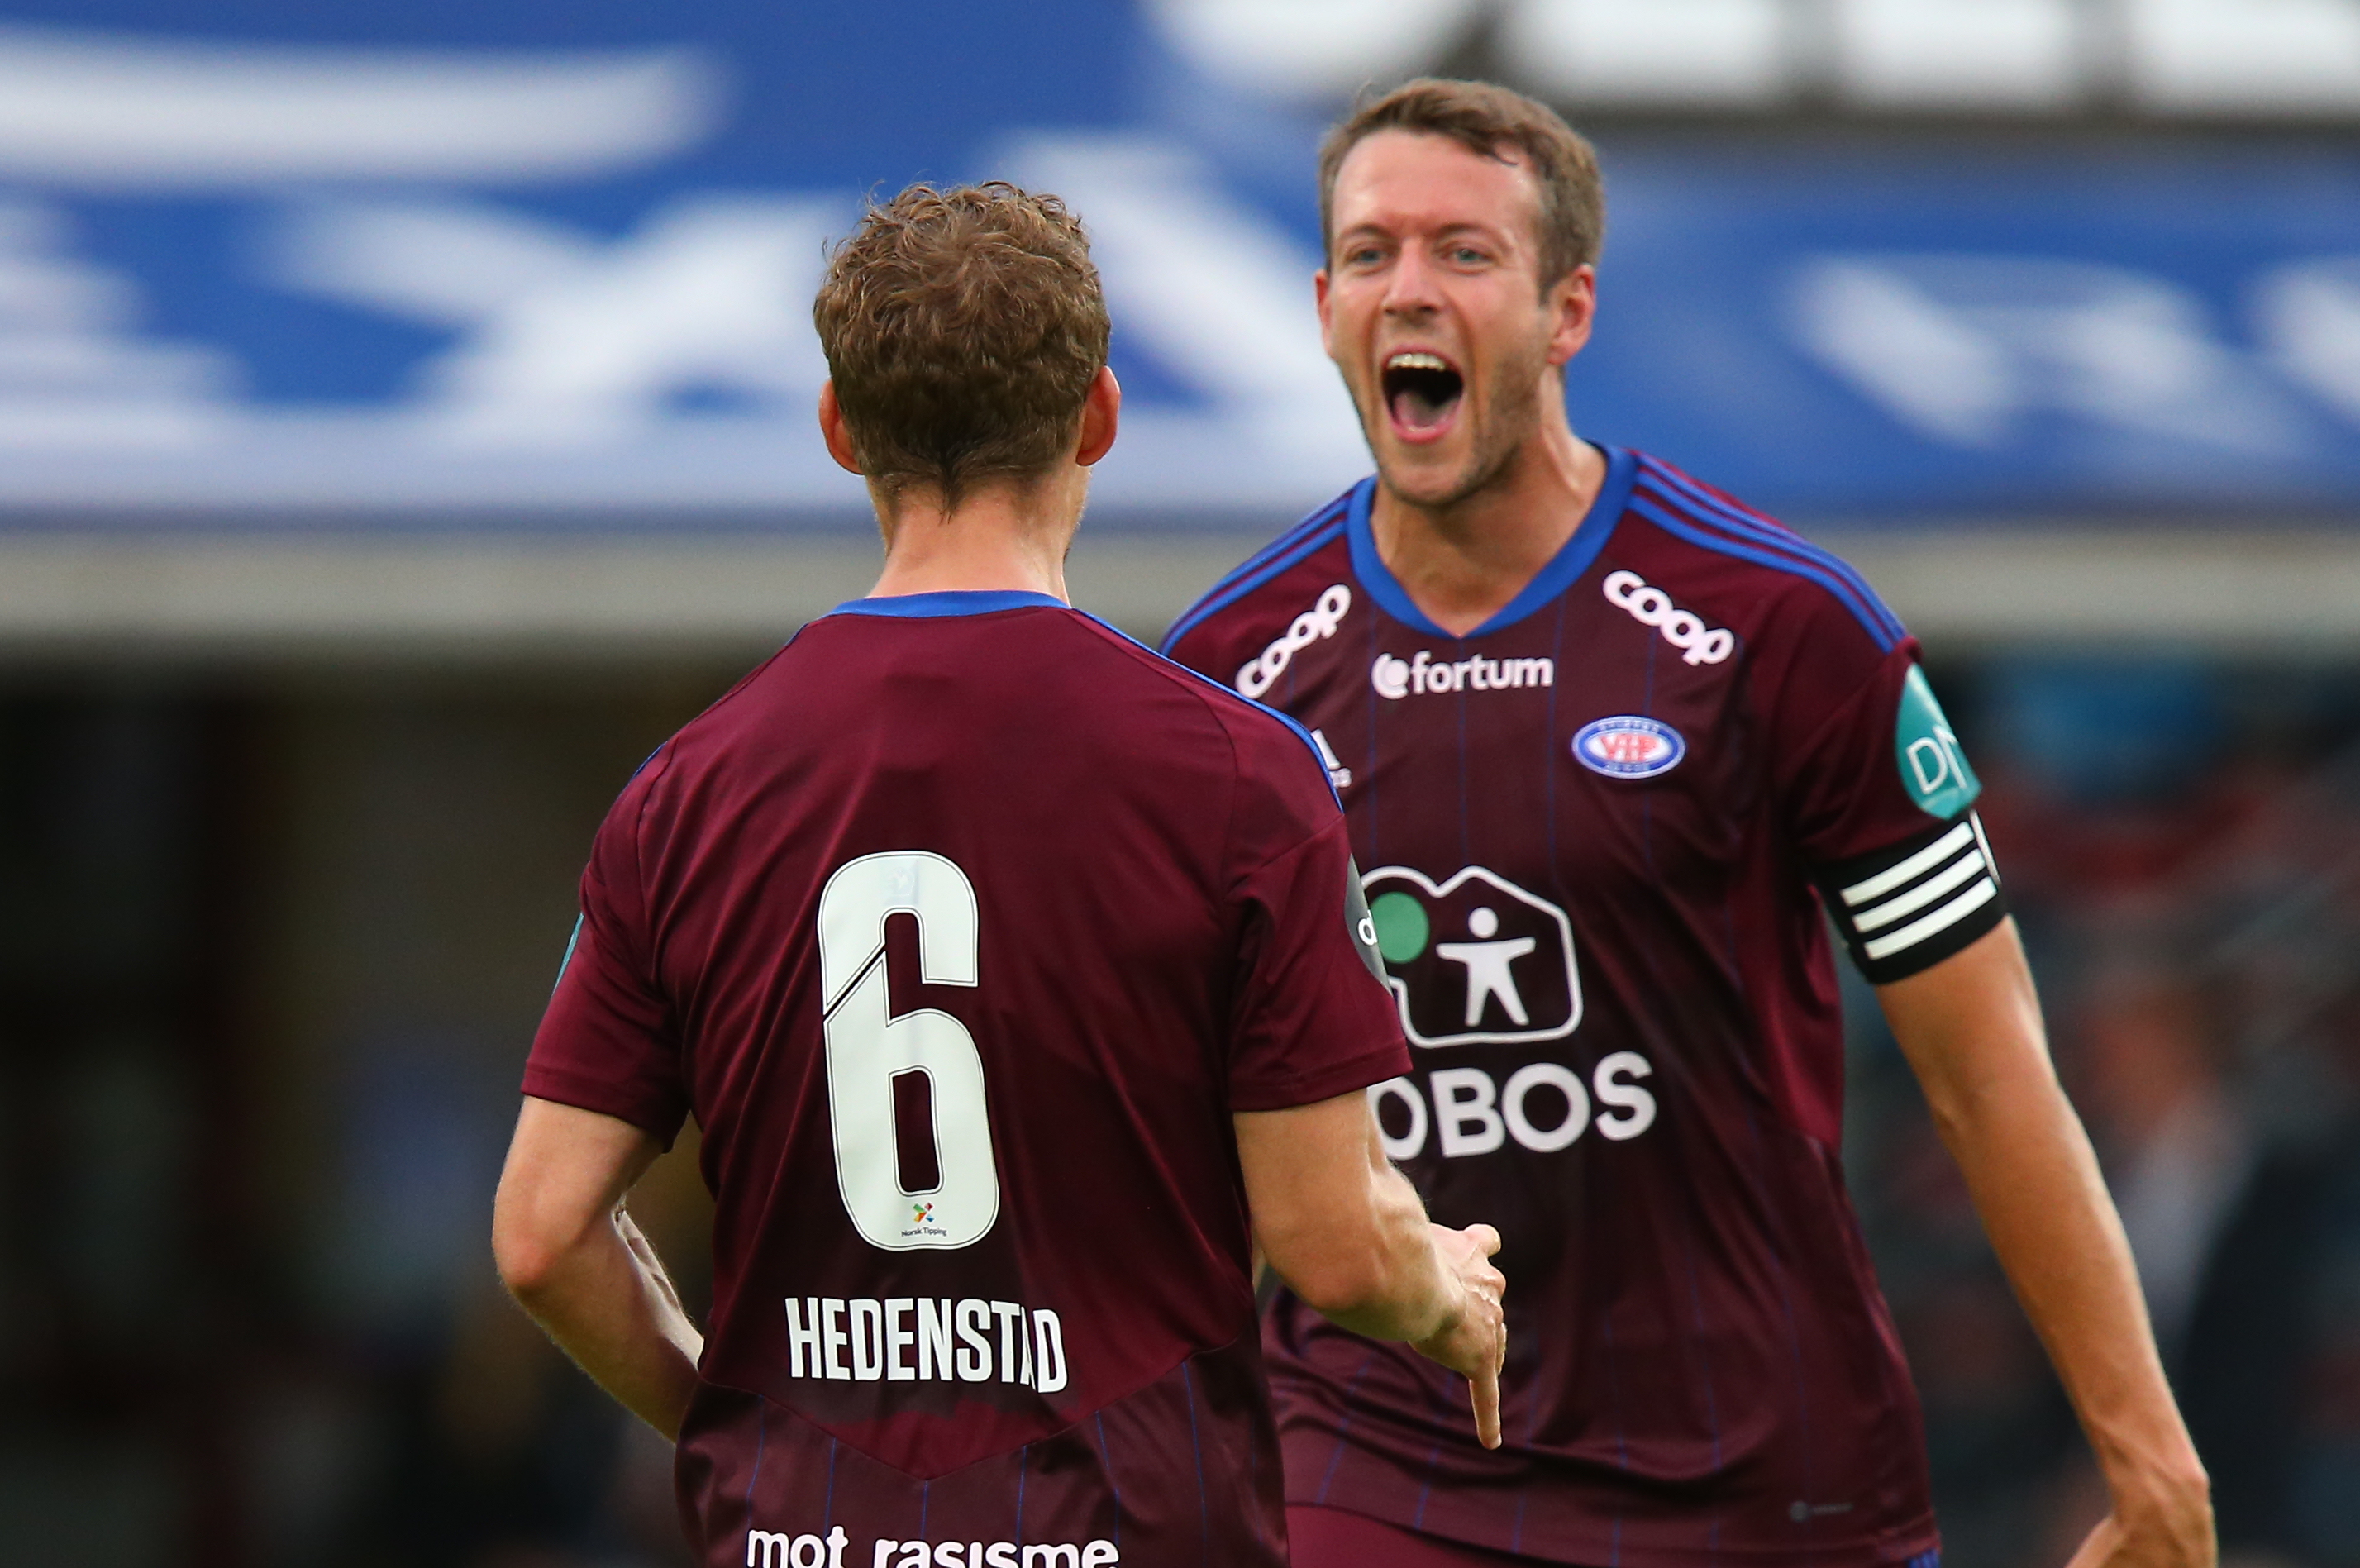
x: 963, y: 329
x: 1486, y: 118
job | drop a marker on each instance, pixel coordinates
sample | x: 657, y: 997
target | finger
x: 1486, y: 1239
x: 1484, y: 1391
x: 2098, y: 1549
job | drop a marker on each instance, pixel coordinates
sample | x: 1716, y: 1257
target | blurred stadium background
x: 404, y: 423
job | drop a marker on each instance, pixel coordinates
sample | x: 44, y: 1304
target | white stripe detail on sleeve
x: 1916, y: 866
x: 1975, y: 821
x: 1969, y: 865
x: 1949, y: 915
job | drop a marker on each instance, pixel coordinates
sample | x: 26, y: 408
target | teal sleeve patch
x: 566, y: 963
x: 1933, y: 765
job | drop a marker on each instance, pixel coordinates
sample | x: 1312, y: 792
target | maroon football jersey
x: 1596, y: 834
x: 962, y: 927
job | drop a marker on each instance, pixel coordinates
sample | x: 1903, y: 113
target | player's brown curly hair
x: 1484, y: 118
x: 963, y: 329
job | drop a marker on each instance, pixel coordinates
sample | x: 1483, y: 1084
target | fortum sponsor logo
x: 1684, y: 629
x: 1422, y: 673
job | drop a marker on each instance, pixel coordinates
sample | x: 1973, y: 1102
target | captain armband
x: 1907, y: 907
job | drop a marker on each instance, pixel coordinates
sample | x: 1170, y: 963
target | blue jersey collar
x: 950, y: 602
x: 1564, y: 569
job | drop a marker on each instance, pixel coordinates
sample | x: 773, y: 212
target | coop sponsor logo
x: 1698, y: 643
x: 1421, y: 673
x: 1257, y: 675
x: 1543, y: 1107
x: 902, y: 1339
x: 1474, y: 958
x: 778, y: 1548
x: 1629, y: 747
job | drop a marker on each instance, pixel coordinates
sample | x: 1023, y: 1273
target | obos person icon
x: 1020, y: 982
x: 1610, y: 742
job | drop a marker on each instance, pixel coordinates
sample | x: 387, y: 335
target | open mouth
x: 1421, y: 390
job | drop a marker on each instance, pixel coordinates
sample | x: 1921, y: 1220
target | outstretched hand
x: 1474, y: 1342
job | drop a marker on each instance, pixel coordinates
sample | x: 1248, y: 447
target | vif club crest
x: 1474, y: 959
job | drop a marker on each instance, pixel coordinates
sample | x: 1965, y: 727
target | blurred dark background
x: 405, y: 425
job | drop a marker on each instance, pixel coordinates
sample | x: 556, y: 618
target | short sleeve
x: 1311, y: 1017
x: 1878, y: 795
x: 606, y: 1043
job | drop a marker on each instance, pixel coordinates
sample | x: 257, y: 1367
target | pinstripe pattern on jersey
x: 1668, y: 498
x: 1296, y: 545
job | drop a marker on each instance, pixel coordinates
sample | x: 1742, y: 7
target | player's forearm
x: 1407, y: 1291
x: 605, y: 1300
x: 2036, y: 1184
x: 574, y: 1260
x: 1340, y: 1224
x: 1972, y: 1029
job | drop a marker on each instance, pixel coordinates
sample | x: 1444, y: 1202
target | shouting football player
x: 1612, y: 746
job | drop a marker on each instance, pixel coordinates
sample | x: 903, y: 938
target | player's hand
x: 1474, y: 1342
x: 2166, y: 1526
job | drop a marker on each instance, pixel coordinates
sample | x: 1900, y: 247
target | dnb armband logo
x: 1933, y: 765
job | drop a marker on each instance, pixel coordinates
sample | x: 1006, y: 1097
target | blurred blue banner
x: 262, y: 260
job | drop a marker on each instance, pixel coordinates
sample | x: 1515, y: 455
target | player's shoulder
x: 1290, y: 577
x: 1721, y: 559
x: 1271, y: 749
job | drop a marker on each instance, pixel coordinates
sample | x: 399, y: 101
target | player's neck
x: 1462, y: 563
x: 1003, y: 536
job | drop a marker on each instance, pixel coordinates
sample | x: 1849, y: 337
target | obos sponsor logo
x: 1698, y: 643
x: 1629, y: 747
x: 1395, y: 678
x: 1474, y: 958
x: 1320, y: 621
x: 1543, y: 1107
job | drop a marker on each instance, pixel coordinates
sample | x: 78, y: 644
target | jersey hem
x: 565, y: 1087
x: 1359, y: 1072
x: 1623, y: 1554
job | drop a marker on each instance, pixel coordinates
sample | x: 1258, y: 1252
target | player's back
x: 969, y: 920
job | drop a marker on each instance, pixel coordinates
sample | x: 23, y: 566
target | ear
x: 1101, y: 412
x: 833, y: 430
x: 1572, y: 302
x: 1326, y: 319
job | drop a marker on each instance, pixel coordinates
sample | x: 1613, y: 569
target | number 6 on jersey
x: 871, y: 1055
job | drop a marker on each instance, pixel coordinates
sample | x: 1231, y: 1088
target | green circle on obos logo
x: 1933, y: 766
x: 1402, y: 926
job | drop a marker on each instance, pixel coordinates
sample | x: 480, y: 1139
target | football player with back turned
x: 1020, y: 982
x: 1601, y: 733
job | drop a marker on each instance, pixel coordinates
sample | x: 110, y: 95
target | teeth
x: 1417, y: 361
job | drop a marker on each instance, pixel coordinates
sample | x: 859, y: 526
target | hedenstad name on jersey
x: 1591, y: 830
